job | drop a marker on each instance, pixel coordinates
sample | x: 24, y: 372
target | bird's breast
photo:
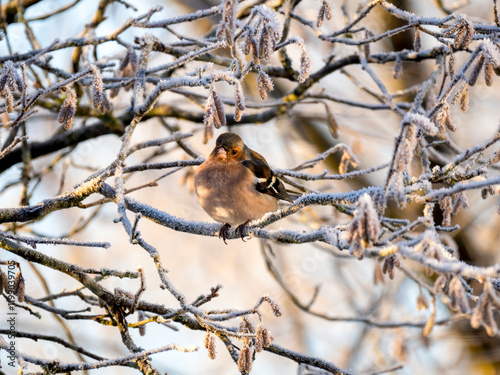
x: 227, y: 193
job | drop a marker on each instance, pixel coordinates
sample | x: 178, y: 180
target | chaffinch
x: 235, y: 185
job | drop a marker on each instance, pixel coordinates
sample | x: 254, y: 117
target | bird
x: 235, y: 185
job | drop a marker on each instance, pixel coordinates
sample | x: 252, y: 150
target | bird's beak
x: 221, y: 153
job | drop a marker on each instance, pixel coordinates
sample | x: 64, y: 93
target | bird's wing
x: 266, y: 181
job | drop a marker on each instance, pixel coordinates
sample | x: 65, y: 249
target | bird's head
x: 229, y: 147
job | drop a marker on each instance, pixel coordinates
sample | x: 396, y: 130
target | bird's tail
x: 293, y: 195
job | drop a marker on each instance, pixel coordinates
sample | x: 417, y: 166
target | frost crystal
x: 270, y: 18
x: 68, y: 109
x: 490, y: 52
x: 99, y: 98
x: 423, y: 122
x: 264, y: 82
x: 364, y: 229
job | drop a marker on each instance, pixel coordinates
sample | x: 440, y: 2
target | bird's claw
x: 240, y: 230
x: 224, y: 231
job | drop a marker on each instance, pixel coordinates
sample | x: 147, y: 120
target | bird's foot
x: 240, y: 230
x: 224, y: 231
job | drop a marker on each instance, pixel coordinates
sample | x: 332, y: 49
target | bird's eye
x: 234, y: 152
